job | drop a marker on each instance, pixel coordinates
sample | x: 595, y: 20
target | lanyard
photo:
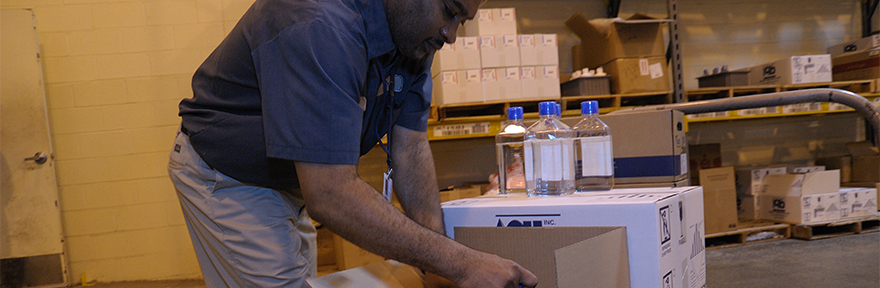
x: 388, y: 82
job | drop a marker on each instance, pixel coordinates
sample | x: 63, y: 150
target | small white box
x: 499, y: 51
x: 462, y: 86
x: 501, y: 84
x: 858, y: 202
x: 540, y: 82
x: 802, y: 198
x: 538, y: 50
x: 662, y: 249
x: 496, y: 21
x: 464, y: 54
x: 793, y: 70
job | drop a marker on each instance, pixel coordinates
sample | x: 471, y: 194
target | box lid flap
x: 610, y: 247
x: 601, y: 27
x: 537, y: 249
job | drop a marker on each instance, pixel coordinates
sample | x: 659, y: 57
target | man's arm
x: 340, y: 200
x: 415, y: 181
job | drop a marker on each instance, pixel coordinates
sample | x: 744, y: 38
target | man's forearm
x: 415, y: 180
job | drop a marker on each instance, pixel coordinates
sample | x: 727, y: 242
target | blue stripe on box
x: 651, y: 166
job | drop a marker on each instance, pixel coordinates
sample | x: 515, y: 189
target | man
x: 281, y: 112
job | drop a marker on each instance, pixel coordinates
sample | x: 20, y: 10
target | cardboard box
x: 649, y: 146
x: 862, y: 65
x: 865, y: 168
x: 748, y: 207
x: 792, y: 70
x: 865, y: 161
x: 540, y: 82
x: 502, y: 83
x: 558, y: 256
x: 350, y: 256
x: 538, y: 50
x: 499, y: 51
x: 462, y: 86
x: 464, y: 54
x: 750, y: 181
x: 494, y: 21
x: 665, y: 238
x: 637, y: 75
x: 385, y: 274
x: 603, y: 40
x: 863, y: 44
x: 703, y: 156
x: 724, y: 79
x: 842, y: 163
x: 719, y: 199
x: 858, y: 202
x: 802, y: 198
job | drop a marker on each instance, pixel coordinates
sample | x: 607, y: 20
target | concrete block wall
x: 114, y: 73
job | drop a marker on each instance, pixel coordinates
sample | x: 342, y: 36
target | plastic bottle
x: 594, y: 165
x: 549, y: 150
x: 509, y: 151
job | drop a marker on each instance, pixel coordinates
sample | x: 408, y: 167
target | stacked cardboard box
x: 856, y: 60
x: 801, y: 198
x: 631, y: 51
x: 858, y: 202
x: 801, y: 69
x: 491, y: 62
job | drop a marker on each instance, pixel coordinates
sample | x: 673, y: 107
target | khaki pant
x: 244, y: 236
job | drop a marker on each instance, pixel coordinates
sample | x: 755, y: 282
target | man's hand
x: 489, y: 270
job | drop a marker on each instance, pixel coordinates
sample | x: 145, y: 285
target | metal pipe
x: 860, y: 104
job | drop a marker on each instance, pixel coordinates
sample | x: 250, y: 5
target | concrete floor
x: 851, y: 261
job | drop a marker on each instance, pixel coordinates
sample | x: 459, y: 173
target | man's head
x: 421, y: 27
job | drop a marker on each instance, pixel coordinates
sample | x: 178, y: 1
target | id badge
x: 387, y: 185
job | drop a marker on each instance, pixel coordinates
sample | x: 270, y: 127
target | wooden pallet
x: 727, y: 92
x: 618, y: 100
x: 843, y: 227
x: 749, y: 232
x: 484, y: 110
x: 855, y: 86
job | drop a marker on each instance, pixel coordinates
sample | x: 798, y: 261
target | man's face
x: 421, y: 27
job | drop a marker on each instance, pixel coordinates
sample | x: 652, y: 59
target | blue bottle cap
x: 558, y: 110
x: 590, y: 107
x: 547, y: 108
x: 515, y: 113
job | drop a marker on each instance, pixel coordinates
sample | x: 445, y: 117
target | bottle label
x: 549, y: 160
x: 596, y: 156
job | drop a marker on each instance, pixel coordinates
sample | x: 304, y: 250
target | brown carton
x: 637, y: 75
x: 857, y: 65
x: 560, y: 256
x: 719, y: 199
x: 605, y: 39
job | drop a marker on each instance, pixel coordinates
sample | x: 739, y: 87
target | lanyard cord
x: 388, y: 92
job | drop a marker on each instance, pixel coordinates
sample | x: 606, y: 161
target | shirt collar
x: 378, y: 34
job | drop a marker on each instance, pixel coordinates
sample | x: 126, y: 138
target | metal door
x: 31, y: 240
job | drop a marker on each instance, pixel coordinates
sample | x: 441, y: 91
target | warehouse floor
x: 851, y: 261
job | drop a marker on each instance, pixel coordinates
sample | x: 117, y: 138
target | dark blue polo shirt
x: 300, y: 80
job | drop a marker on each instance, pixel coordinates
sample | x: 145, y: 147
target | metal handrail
x: 860, y: 104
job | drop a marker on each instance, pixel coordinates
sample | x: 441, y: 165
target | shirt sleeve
x: 310, y: 77
x: 417, y: 103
